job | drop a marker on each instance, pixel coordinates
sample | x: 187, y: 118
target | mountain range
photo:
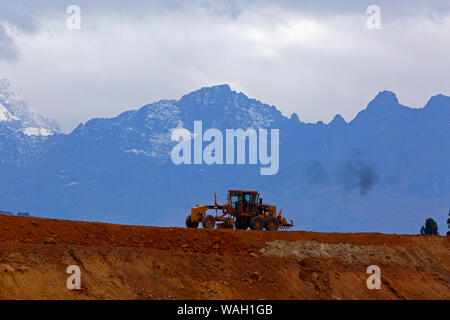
x: 387, y: 170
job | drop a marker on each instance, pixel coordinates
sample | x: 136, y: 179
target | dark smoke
x: 360, y: 174
x: 315, y: 173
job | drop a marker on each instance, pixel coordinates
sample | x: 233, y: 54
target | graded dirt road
x: 135, y: 262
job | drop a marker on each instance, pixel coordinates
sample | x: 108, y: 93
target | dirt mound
x: 367, y: 255
x: 133, y: 262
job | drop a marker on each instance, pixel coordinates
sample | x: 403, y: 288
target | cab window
x: 235, y: 199
x: 249, y: 202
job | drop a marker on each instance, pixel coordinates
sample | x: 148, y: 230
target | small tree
x: 430, y: 228
x: 448, y: 223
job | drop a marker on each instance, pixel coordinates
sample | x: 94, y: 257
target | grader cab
x: 244, y: 210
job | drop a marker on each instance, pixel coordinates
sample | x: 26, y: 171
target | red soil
x: 135, y: 262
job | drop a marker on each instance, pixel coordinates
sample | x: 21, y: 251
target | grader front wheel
x: 190, y: 223
x: 208, y: 222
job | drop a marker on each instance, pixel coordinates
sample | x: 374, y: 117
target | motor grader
x: 244, y: 209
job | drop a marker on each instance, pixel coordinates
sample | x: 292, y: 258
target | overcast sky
x: 315, y: 58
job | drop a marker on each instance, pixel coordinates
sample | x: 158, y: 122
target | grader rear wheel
x: 208, y: 222
x: 257, y: 223
x: 271, y: 224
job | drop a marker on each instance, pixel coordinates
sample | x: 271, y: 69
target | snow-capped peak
x: 5, y: 115
x: 15, y: 114
x: 33, y: 131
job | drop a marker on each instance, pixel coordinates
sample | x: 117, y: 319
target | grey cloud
x: 19, y: 16
x: 131, y: 53
x: 8, y: 49
x: 21, y: 12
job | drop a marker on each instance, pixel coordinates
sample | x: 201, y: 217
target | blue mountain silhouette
x: 387, y: 170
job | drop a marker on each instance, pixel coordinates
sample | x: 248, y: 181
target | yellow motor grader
x: 243, y: 210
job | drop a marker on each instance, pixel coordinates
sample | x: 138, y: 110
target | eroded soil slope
x: 133, y: 262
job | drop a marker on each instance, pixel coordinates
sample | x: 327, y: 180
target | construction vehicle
x: 244, y: 209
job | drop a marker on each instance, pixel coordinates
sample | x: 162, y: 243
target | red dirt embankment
x: 134, y: 262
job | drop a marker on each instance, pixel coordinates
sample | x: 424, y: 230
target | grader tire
x: 257, y: 223
x: 190, y: 223
x: 271, y: 224
x: 208, y: 222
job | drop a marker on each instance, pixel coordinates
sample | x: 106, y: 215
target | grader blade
x: 285, y: 225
